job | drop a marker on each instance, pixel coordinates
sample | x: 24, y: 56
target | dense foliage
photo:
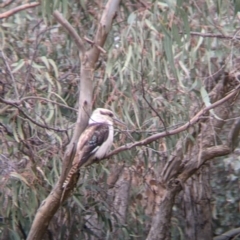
x: 161, y: 60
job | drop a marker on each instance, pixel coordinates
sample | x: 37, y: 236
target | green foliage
x: 154, y: 71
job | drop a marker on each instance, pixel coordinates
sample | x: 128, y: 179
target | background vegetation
x: 159, y: 67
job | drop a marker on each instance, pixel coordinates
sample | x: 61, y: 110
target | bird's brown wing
x: 91, y: 139
x: 89, y: 142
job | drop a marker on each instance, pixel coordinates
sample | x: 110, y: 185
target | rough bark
x: 197, y: 206
x: 197, y: 190
x: 88, y: 59
x: 183, y: 165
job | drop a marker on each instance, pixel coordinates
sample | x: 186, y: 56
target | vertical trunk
x: 88, y: 60
x: 161, y: 221
x: 121, y: 192
x: 121, y: 199
x: 197, y: 206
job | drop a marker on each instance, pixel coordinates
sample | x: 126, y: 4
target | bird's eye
x: 110, y: 115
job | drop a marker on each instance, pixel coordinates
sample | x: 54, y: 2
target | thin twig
x: 10, y: 73
x: 211, y: 35
x: 30, y: 119
x: 43, y: 99
x: 58, y: 16
x: 177, y: 130
x: 29, y: 67
x: 18, y: 9
x: 93, y: 43
x: 143, y: 92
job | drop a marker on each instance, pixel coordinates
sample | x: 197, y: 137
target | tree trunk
x: 161, y: 221
x: 88, y: 60
x: 197, y: 206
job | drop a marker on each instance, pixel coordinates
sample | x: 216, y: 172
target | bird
x: 94, y: 143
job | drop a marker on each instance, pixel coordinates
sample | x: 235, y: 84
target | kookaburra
x: 94, y: 143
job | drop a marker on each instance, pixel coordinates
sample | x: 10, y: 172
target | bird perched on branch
x: 94, y: 143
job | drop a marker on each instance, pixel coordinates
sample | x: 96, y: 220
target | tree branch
x: 177, y: 130
x: 58, y: 16
x: 18, y: 102
x: 211, y: 35
x: 18, y: 9
x: 10, y: 73
x: 231, y: 234
x: 88, y: 60
x: 233, y: 134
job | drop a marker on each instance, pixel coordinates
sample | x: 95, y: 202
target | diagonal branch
x: 212, y: 35
x: 3, y: 5
x: 70, y: 30
x: 18, y: 9
x: 29, y: 118
x: 191, y: 122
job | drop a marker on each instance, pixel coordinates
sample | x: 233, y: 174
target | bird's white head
x: 102, y: 115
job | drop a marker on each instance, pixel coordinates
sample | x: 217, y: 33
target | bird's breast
x: 106, y: 146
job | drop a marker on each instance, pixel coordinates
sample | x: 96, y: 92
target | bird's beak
x: 117, y: 121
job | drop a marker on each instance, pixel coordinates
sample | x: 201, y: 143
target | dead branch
x: 18, y: 9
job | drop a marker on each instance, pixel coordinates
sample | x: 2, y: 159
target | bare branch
x: 103, y: 29
x: 233, y: 134
x: 18, y: 102
x: 3, y: 5
x: 231, y: 234
x: 58, y: 16
x: 177, y: 130
x: 51, y: 204
x: 30, y: 119
x: 18, y: 9
x: 122, y: 191
x: 92, y: 42
x: 211, y: 35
